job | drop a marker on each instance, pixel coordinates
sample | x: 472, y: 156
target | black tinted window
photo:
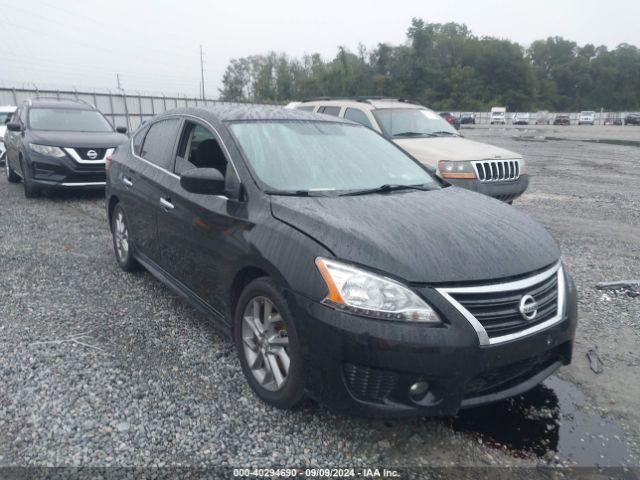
x: 359, y: 116
x: 138, y: 138
x: 335, y: 111
x: 159, y: 142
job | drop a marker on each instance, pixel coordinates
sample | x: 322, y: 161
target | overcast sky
x: 154, y: 45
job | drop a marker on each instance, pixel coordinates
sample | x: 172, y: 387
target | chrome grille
x: 494, y: 310
x: 497, y: 170
x: 498, y: 312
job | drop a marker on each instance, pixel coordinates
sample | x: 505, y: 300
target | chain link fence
x: 130, y: 109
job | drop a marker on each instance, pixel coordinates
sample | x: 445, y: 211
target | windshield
x: 68, y: 120
x: 324, y: 158
x: 412, y: 122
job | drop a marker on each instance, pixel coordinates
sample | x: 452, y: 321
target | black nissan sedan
x: 342, y: 268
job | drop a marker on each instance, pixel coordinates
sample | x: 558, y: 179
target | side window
x: 359, y: 116
x: 199, y: 148
x: 306, y: 108
x: 334, y: 111
x: 158, y: 144
x: 138, y: 138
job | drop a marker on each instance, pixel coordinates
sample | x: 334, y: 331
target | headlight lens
x: 453, y: 169
x: 366, y: 293
x: 522, y: 166
x: 47, y: 150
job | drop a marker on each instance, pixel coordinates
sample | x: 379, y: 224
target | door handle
x: 166, y: 204
x: 127, y: 181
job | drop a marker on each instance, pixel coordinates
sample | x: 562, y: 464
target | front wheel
x: 267, y: 344
x: 30, y: 190
x: 12, y: 177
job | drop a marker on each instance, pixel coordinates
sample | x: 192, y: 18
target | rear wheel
x: 268, y: 344
x: 12, y: 177
x: 122, y: 240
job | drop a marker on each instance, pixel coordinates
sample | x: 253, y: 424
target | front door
x: 200, y: 234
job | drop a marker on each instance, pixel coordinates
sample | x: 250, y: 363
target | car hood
x: 3, y: 129
x: 77, y: 139
x: 431, y: 150
x: 441, y: 236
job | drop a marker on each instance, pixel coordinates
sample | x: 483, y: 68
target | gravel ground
x: 103, y: 368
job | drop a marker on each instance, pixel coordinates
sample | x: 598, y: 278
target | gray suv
x: 58, y: 144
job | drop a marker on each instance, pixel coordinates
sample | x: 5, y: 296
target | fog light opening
x: 418, y: 390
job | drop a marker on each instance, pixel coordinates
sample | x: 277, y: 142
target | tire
x: 265, y: 347
x: 122, y: 240
x: 30, y: 190
x: 12, y: 177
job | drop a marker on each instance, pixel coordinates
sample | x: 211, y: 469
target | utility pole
x: 202, y: 71
x: 118, y: 79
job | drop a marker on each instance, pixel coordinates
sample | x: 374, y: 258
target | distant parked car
x: 451, y: 120
x: 587, y: 118
x: 562, y: 120
x: 543, y: 118
x: 498, y: 116
x: 467, y: 118
x: 613, y: 119
x: 632, y: 119
x: 521, y: 119
x: 6, y: 113
x: 59, y: 144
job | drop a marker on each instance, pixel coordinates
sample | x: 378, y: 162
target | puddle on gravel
x: 542, y: 138
x: 553, y: 419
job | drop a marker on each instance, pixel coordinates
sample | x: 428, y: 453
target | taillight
x: 107, y: 162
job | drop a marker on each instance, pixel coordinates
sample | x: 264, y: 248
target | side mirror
x: 14, y: 127
x: 121, y: 129
x: 207, y: 181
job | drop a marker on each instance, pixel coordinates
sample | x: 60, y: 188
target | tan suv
x: 424, y: 134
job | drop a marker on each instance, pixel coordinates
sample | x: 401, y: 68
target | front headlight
x: 521, y: 166
x: 47, y: 150
x: 453, y: 169
x: 372, y: 295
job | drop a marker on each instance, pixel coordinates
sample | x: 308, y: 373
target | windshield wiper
x: 412, y: 134
x: 444, y: 132
x: 386, y: 188
x: 296, y: 193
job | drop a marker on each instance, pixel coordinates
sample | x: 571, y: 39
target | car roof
x: 364, y: 103
x: 228, y: 112
x: 59, y: 103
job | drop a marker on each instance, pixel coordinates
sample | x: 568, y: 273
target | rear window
x: 68, y: 120
x: 159, y: 142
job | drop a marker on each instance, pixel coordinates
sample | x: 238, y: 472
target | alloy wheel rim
x: 121, y: 235
x: 265, y: 343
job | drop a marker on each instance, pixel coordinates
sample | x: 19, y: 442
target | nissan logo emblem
x: 528, y: 307
x: 92, y: 154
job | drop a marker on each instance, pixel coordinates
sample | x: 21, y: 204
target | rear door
x: 149, y: 173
